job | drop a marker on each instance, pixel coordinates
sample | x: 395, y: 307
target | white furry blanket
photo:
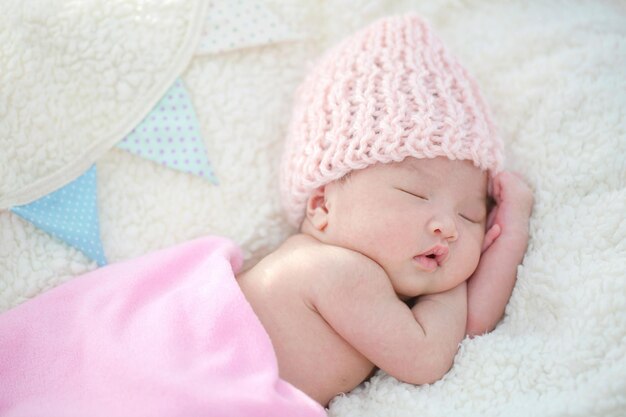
x: 552, y: 72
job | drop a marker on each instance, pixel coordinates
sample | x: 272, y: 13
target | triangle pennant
x: 170, y: 135
x: 70, y: 214
x: 243, y: 24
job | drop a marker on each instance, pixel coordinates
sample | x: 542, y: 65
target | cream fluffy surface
x: 553, y: 74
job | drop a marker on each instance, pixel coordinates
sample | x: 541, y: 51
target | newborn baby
x: 390, y: 166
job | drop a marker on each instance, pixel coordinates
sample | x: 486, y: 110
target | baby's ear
x: 317, y: 210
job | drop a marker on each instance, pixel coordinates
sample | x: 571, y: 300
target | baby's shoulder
x: 330, y: 265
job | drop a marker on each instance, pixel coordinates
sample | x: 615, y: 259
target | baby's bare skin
x: 354, y: 291
x: 311, y: 355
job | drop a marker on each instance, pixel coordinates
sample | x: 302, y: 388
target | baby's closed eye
x: 473, y: 214
x: 413, y: 193
x: 469, y: 218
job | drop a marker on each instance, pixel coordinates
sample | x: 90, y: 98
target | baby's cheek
x: 475, y: 258
x: 473, y: 250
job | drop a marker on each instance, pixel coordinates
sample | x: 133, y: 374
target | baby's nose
x: 443, y: 226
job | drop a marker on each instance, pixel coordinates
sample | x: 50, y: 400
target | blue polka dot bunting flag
x: 70, y: 214
x: 170, y: 135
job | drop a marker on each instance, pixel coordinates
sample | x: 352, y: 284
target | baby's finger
x: 497, y: 187
x: 490, y: 237
x: 506, y: 184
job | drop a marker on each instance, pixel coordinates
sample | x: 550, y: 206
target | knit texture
x: 390, y: 91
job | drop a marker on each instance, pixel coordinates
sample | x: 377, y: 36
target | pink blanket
x: 167, y: 334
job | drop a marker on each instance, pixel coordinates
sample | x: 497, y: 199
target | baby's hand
x: 514, y: 202
x: 490, y: 287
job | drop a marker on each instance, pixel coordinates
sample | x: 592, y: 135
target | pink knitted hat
x: 390, y: 91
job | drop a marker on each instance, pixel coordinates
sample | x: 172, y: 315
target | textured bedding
x: 553, y: 73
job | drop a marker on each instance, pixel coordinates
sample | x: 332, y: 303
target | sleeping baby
x: 410, y: 232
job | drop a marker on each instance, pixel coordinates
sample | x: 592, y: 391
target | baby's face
x: 422, y: 220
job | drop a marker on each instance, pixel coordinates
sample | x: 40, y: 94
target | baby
x: 390, y: 166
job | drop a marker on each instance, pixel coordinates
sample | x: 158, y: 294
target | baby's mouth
x: 432, y: 258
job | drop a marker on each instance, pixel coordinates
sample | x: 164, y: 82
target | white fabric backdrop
x: 553, y: 73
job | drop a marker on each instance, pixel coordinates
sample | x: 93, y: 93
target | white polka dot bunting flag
x: 70, y: 214
x: 239, y: 24
x: 170, y: 135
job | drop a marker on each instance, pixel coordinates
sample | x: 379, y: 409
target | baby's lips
x: 440, y: 253
x: 426, y: 263
x: 442, y: 256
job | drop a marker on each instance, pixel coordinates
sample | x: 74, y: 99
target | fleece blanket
x: 552, y: 71
x: 166, y: 334
x: 75, y: 59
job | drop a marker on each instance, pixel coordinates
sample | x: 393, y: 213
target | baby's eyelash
x: 468, y: 219
x: 413, y: 194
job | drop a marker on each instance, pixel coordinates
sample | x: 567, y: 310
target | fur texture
x: 553, y: 74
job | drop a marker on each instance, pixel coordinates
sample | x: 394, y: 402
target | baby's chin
x: 415, y: 285
x: 409, y: 286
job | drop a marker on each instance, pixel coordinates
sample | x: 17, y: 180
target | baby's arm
x: 444, y: 315
x: 414, y: 345
x: 490, y: 287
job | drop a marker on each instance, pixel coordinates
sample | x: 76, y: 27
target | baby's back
x: 311, y: 355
